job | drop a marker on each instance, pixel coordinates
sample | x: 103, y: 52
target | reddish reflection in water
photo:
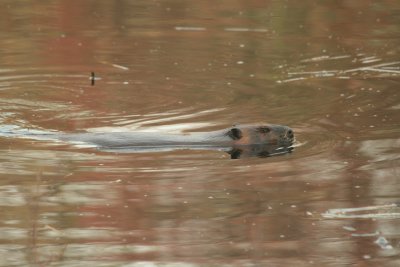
x: 328, y: 70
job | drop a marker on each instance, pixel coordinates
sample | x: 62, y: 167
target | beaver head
x: 260, y: 141
x: 243, y: 135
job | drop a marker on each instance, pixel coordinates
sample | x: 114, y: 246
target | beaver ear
x: 264, y: 129
x: 235, y: 133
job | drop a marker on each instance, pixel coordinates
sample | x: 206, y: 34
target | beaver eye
x: 235, y: 133
x: 264, y: 129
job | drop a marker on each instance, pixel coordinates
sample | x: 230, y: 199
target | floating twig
x: 92, y: 78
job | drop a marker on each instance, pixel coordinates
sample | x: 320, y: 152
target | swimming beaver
x: 238, y: 141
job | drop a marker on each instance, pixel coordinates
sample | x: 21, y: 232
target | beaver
x: 239, y: 140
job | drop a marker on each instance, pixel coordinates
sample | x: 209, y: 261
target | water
x: 328, y: 70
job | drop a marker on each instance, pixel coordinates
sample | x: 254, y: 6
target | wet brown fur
x: 259, y: 135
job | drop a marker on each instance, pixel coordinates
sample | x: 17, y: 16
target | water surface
x: 328, y: 70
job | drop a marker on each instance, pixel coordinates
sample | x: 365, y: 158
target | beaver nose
x: 290, y: 134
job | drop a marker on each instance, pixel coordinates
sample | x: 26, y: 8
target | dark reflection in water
x: 259, y: 151
x: 329, y: 70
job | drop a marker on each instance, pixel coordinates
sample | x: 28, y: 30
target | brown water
x: 328, y: 69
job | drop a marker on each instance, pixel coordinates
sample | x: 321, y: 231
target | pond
x: 330, y: 70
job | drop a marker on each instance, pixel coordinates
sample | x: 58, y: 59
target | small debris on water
x: 191, y: 28
x: 383, y: 243
x: 365, y: 234
x: 114, y: 65
x: 92, y: 78
x: 349, y: 228
x: 366, y: 257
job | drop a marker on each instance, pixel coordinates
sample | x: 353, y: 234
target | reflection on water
x: 383, y: 211
x: 359, y: 66
x: 328, y: 70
